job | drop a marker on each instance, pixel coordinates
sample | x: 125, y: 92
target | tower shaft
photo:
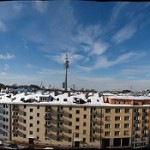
x: 66, y: 64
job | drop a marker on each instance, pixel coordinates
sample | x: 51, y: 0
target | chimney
x: 55, y: 93
x: 69, y: 94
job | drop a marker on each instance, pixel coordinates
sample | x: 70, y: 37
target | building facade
x: 107, y: 121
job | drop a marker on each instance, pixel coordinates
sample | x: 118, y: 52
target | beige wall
x: 92, y: 126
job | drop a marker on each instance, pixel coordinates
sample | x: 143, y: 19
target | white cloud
x: 41, y: 6
x: 99, y: 48
x: 117, y: 9
x: 47, y: 72
x: 6, y: 67
x: 73, y: 58
x: 103, y: 62
x: 124, y: 34
x: 7, y: 56
x: 29, y: 65
x: 3, y: 27
x: 136, y: 70
x: 87, y: 34
x: 17, y: 7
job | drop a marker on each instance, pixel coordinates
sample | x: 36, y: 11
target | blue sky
x: 108, y: 44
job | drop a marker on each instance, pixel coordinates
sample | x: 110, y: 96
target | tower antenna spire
x: 66, y: 66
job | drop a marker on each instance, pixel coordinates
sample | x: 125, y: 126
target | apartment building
x: 77, y: 119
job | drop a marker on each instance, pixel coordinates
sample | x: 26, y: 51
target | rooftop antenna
x: 66, y: 66
x: 131, y: 88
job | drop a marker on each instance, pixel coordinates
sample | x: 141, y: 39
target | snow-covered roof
x: 130, y: 97
x: 71, y: 98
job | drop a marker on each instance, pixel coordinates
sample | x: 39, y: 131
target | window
x: 69, y: 139
x: 31, y: 132
x: 126, y: 117
x: 24, y: 113
x: 31, y: 124
x: 65, y: 99
x: 117, y: 125
x: 38, y: 107
x: 77, y: 135
x: 70, y: 108
x: 107, y: 126
x: 136, y: 110
x: 117, y: 110
x: 107, y: 110
x: 84, y: 131
x: 107, y: 133
x: 70, y: 115
x: 31, y: 110
x: 24, y: 128
x: 70, y: 123
x: 24, y: 136
x: 38, y: 122
x: 84, y: 108
x: 31, y: 117
x: 117, y: 133
x: 126, y: 110
x: 77, y: 127
x: 107, y: 118
x: 84, y: 116
x: 38, y: 130
x: 135, y: 102
x: 70, y: 131
x: 126, y: 125
x: 38, y: 115
x: 77, y: 119
x: 24, y: 121
x: 24, y: 106
x: 117, y: 118
x: 84, y: 140
x: 84, y: 124
x: 77, y: 111
x: 126, y: 132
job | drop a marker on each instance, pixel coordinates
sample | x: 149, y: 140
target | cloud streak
x: 124, y: 34
x: 7, y: 56
x: 103, y: 62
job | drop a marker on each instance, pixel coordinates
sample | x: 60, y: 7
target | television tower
x: 66, y: 65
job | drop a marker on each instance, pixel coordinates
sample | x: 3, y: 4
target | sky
x: 108, y: 44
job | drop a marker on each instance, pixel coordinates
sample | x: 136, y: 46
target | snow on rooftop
x: 71, y: 98
x: 130, y: 97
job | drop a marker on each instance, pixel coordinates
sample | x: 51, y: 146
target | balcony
x: 60, y: 111
x: 47, y: 125
x: 15, y: 123
x: 145, y: 113
x: 48, y: 110
x: 136, y: 128
x: 136, y: 113
x: 15, y: 116
x: 15, y: 109
x: 66, y: 114
x: 15, y: 131
x: 137, y: 121
x: 47, y: 117
x: 65, y: 129
x: 96, y: 136
x: 99, y: 115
